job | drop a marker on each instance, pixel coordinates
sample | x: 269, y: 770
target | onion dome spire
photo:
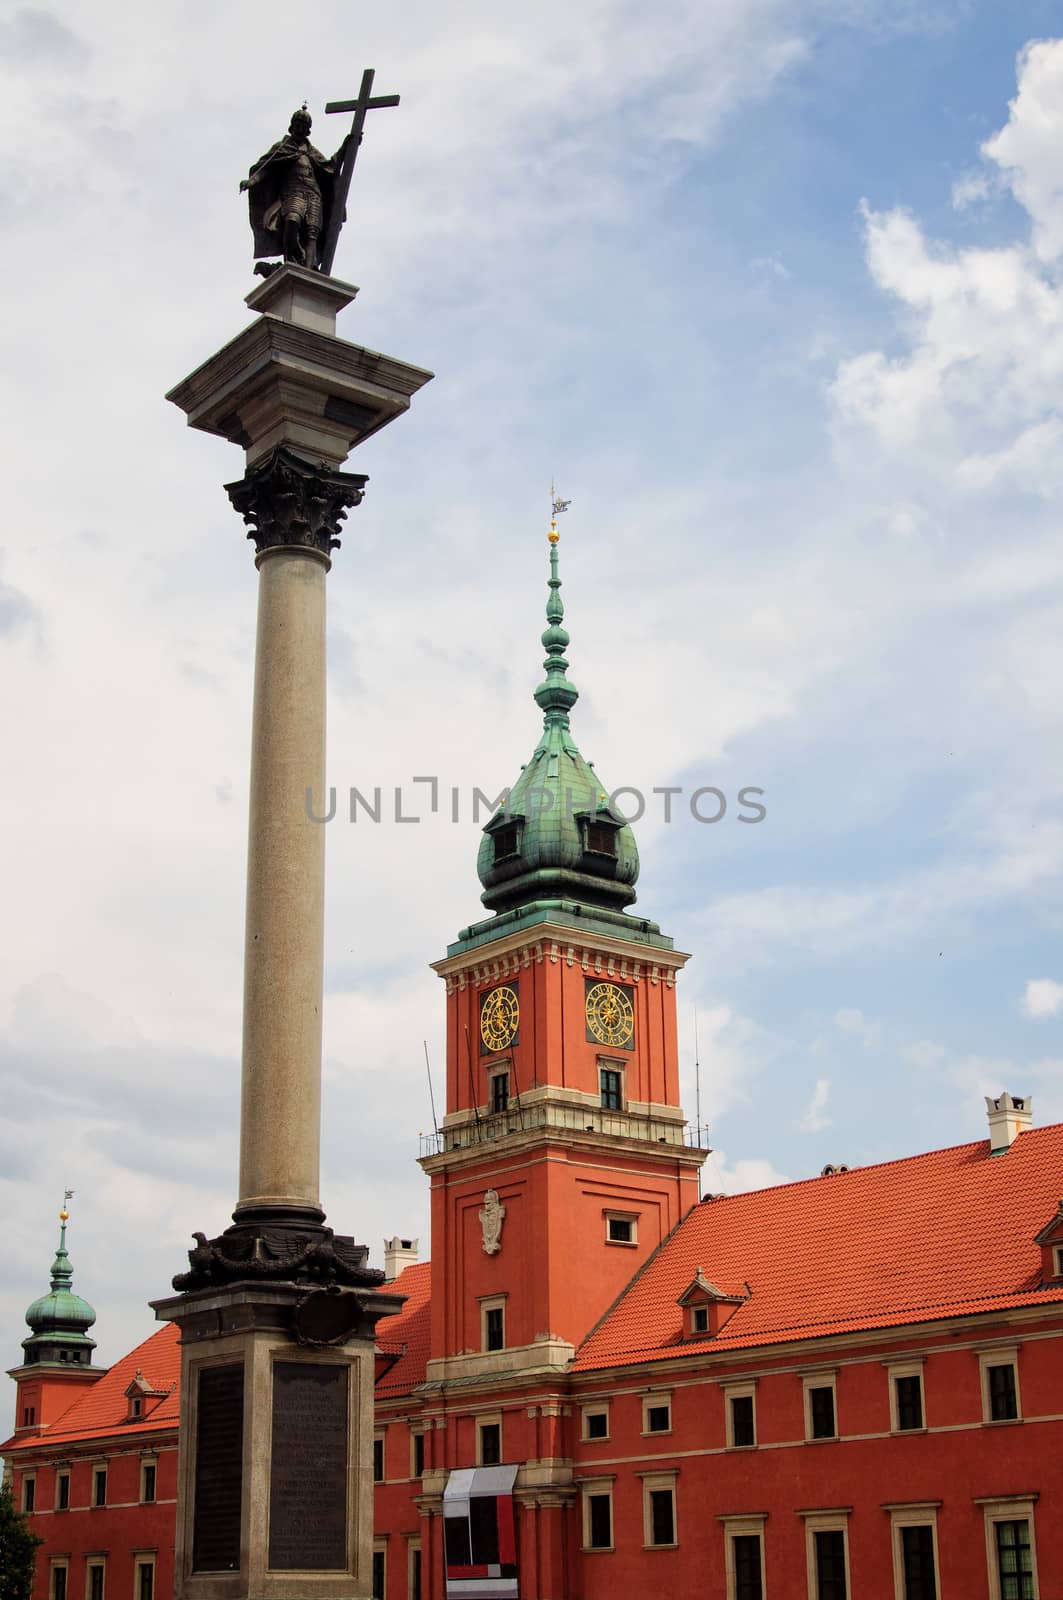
x: 58, y: 1320
x: 557, y: 840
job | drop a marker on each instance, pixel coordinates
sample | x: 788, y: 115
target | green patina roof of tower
x: 557, y: 850
x: 59, y: 1319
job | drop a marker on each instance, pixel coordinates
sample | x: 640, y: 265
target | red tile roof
x: 406, y: 1335
x: 941, y: 1235
x: 104, y: 1409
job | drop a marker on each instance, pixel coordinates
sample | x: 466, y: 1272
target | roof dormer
x: 706, y: 1307
x: 1050, y: 1239
x: 142, y: 1397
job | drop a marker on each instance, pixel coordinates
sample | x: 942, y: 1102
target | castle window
x: 378, y: 1458
x: 658, y: 1510
x: 94, y: 1583
x: 821, y: 1420
x: 493, y: 1323
x: 62, y: 1491
x: 379, y: 1571
x: 699, y: 1319
x: 1000, y: 1384
x: 147, y: 1482
x: 417, y: 1446
x: 500, y: 1091
x: 136, y: 1405
x: 742, y: 1423
x: 621, y: 1227
x: 657, y: 1414
x: 29, y: 1416
x: 99, y: 1486
x: 59, y: 1577
x: 145, y: 1580
x: 601, y: 839
x: 611, y: 1083
x: 507, y: 842
x: 595, y: 1422
x: 489, y: 1443
x: 413, y: 1585
x: 29, y: 1493
x: 1011, y: 1547
x: 744, y: 1556
x: 597, y: 1495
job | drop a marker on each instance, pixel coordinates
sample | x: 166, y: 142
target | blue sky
x: 774, y: 293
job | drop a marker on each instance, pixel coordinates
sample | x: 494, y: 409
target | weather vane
x: 297, y: 197
x: 68, y: 1195
x: 557, y: 506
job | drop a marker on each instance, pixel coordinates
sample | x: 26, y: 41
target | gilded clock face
x: 610, y: 1017
x: 499, y: 1018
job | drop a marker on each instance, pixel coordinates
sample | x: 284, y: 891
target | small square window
x: 29, y: 1494
x: 147, y: 1482
x: 99, y: 1486
x: 490, y: 1444
x: 596, y: 1424
x: 743, y: 1427
x: 658, y: 1417
x: 62, y: 1492
x: 494, y: 1328
x: 699, y: 1319
x: 620, y: 1229
x: 507, y: 842
x: 500, y: 1091
x: 601, y: 839
x: 612, y: 1088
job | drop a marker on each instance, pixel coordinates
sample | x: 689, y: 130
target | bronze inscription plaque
x: 308, y: 1469
x: 219, y: 1469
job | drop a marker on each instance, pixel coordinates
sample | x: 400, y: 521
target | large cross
x: 366, y: 101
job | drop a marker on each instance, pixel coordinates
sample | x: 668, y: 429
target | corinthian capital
x: 286, y: 500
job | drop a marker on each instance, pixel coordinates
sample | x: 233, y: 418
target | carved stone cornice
x: 289, y: 502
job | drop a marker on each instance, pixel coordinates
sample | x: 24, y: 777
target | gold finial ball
x: 64, y: 1215
x: 553, y: 535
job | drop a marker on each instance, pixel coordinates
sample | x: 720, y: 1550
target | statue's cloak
x: 265, y: 189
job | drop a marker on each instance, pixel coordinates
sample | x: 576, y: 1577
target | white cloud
x: 814, y: 1117
x: 720, y: 1176
x: 1042, y: 997
x: 1029, y: 148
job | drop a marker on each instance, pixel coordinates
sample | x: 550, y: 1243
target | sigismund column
x: 277, y: 1313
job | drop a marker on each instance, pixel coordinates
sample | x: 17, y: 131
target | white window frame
x: 101, y: 1466
x: 145, y: 1462
x: 413, y: 1546
x: 1002, y: 1356
x: 739, y: 1527
x: 608, y: 1064
x: 630, y: 1217
x: 60, y: 1473
x: 739, y: 1391
x: 415, y: 1434
x: 903, y: 1369
x: 825, y: 1379
x: 652, y: 1402
x: 833, y: 1519
x: 492, y: 1302
x: 499, y: 1069
x: 139, y: 1562
x: 57, y: 1564
x: 595, y: 1408
x: 652, y: 1482
x: 913, y: 1514
x: 596, y: 1486
x: 92, y: 1562
x: 488, y: 1419
x: 1005, y: 1508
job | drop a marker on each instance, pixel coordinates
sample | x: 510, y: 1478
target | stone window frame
x: 29, y: 1481
x: 739, y: 1390
x: 914, y: 1367
x: 140, y: 1561
x: 1007, y: 1508
x: 617, y: 1064
x: 99, y: 1468
x: 58, y: 1564
x: 95, y: 1563
x: 611, y: 1214
x: 499, y: 1069
x: 595, y: 1408
x: 661, y: 1397
x: 601, y: 1484
x: 380, y: 1437
x: 488, y: 1419
x: 652, y: 1483
x: 823, y: 1378
x: 492, y: 1302
x: 62, y: 1475
x: 380, y: 1548
x: 911, y: 1514
x: 740, y: 1526
x: 418, y: 1433
x: 825, y: 1519
x: 998, y: 1356
x: 152, y: 1462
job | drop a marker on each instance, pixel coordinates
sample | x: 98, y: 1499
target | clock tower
x: 562, y: 1161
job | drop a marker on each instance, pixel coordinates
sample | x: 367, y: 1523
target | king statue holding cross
x: 297, y: 197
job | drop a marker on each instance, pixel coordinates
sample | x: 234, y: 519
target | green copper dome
x: 58, y: 1320
x: 557, y: 838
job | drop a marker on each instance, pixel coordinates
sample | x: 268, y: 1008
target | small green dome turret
x: 58, y: 1320
x: 557, y: 838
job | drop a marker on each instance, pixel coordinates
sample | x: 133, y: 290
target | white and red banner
x: 479, y: 1534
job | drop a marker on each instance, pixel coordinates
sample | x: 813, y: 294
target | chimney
x: 398, y: 1253
x: 1009, y: 1115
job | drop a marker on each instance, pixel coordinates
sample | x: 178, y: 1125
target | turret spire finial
x: 555, y: 695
